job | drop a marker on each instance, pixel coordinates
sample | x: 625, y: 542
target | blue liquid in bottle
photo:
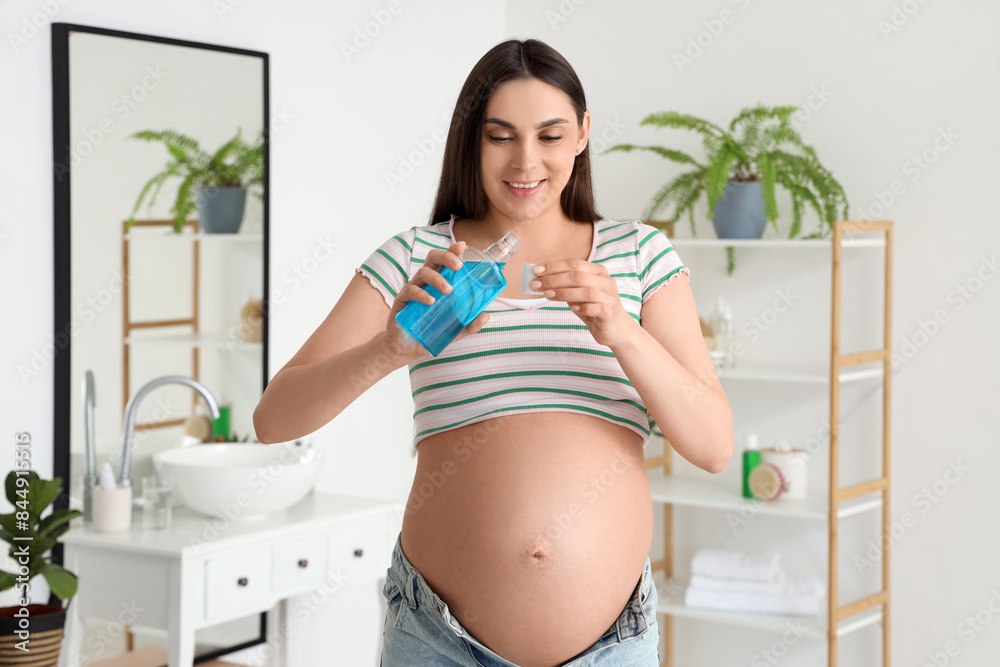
x: 473, y: 288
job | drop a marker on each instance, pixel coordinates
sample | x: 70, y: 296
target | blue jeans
x: 421, y: 632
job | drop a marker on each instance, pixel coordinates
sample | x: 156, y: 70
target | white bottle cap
x: 751, y: 441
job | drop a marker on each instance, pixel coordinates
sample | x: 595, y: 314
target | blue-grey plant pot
x: 220, y: 210
x: 739, y: 213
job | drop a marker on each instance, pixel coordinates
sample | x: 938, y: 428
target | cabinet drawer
x: 356, y: 550
x: 298, y: 565
x: 237, y: 582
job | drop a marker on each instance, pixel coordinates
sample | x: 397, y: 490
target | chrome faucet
x: 90, y: 478
x: 128, y: 433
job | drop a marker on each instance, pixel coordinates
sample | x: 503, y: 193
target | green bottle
x: 751, y: 458
x: 220, y: 426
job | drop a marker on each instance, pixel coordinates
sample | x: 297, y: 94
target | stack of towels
x: 750, y: 582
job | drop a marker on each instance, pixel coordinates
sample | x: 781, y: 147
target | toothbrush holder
x: 112, y: 509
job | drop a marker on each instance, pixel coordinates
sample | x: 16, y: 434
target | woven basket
x: 45, y: 632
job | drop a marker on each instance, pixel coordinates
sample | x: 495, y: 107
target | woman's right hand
x: 395, y: 336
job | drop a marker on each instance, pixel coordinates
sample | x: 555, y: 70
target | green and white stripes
x: 529, y: 358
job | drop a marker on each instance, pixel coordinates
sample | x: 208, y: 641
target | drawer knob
x: 359, y: 552
x: 303, y: 562
x: 242, y: 581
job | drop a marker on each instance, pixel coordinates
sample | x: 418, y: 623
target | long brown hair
x: 461, y: 188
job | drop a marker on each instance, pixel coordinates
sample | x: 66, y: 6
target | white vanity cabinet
x: 206, y: 570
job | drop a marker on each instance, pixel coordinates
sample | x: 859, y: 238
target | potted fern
x: 742, y: 167
x: 33, y: 632
x: 214, y: 183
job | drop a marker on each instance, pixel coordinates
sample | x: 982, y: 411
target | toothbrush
x: 108, y: 477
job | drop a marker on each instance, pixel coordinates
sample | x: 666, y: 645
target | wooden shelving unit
x: 831, y: 506
x: 195, y: 339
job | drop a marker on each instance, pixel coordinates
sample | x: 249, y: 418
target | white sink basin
x: 236, y: 480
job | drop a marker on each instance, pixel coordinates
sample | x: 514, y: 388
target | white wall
x: 338, y: 127
x: 887, y: 100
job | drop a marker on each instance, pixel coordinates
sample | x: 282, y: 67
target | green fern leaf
x: 717, y: 176
x: 670, y: 154
x: 682, y: 122
x: 796, y: 218
x: 761, y: 113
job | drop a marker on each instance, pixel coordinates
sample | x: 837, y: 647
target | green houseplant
x: 30, y: 537
x: 759, y: 147
x: 236, y: 164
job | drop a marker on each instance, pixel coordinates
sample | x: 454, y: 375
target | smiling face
x: 529, y: 144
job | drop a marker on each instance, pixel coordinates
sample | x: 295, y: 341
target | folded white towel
x: 732, y: 564
x: 802, y: 597
x: 705, y: 582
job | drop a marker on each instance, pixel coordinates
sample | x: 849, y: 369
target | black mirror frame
x: 61, y: 255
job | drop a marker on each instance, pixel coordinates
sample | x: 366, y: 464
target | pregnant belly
x: 533, y: 529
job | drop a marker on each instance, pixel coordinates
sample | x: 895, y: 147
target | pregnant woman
x: 526, y: 536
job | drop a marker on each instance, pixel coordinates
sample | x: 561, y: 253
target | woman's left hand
x: 590, y: 292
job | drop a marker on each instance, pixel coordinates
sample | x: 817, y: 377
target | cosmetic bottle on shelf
x: 751, y: 459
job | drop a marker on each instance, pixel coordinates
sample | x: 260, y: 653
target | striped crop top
x: 534, y: 355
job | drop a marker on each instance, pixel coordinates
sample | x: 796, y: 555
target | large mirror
x: 168, y: 290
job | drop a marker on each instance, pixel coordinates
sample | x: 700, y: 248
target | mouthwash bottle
x: 473, y: 287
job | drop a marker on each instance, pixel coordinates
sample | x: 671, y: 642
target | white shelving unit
x: 825, y: 508
x: 150, y: 332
